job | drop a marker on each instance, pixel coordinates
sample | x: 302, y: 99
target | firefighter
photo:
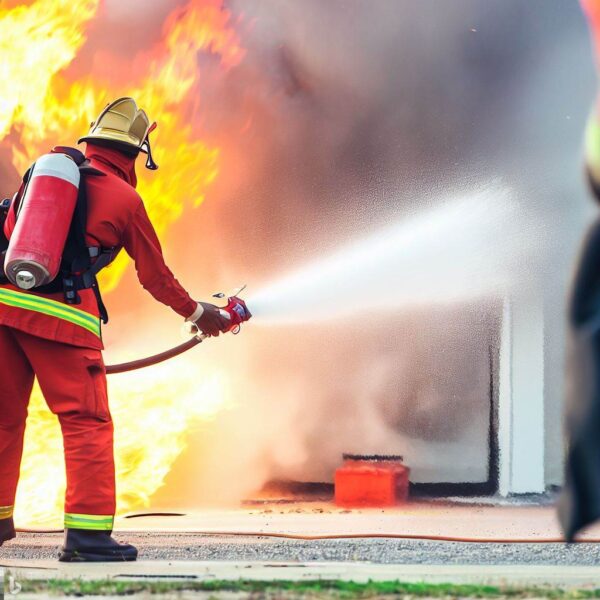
x: 54, y: 334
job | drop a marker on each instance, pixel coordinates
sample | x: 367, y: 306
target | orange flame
x: 41, y: 106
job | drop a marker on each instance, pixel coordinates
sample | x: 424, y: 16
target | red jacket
x: 116, y: 218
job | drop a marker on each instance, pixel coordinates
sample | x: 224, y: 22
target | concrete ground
x: 478, y: 521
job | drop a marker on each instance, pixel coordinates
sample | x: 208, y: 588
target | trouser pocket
x: 96, y: 393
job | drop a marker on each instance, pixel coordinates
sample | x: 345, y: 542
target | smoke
x: 298, y: 396
x: 332, y: 372
x: 345, y: 118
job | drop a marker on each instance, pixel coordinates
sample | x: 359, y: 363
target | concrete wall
x: 521, y: 397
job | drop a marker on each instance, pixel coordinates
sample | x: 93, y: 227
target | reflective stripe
x: 6, y: 512
x: 97, y: 522
x: 592, y: 145
x: 50, y: 307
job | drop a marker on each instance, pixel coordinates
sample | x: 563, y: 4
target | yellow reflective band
x: 51, y: 308
x: 97, y: 522
x: 592, y: 144
x: 6, y: 512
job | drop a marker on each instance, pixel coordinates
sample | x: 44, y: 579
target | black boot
x: 7, y: 530
x: 85, y: 545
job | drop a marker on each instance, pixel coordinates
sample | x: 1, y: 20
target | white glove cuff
x: 196, y: 314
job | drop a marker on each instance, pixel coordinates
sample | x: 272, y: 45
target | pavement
x: 419, y: 519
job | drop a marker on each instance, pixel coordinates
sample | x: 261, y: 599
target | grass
x: 343, y: 590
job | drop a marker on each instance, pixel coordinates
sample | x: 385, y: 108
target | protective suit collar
x: 118, y: 162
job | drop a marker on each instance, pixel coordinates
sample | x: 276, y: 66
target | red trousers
x: 73, y: 381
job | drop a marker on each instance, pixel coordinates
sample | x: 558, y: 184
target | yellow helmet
x: 123, y: 123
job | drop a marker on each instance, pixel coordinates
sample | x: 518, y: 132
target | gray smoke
x: 364, y: 114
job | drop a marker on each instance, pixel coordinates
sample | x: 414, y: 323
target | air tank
x: 44, y: 217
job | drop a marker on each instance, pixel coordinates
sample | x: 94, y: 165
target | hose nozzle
x: 237, y: 311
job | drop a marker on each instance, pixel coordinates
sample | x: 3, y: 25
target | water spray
x: 474, y: 246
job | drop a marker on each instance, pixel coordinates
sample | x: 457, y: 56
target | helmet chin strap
x: 145, y: 148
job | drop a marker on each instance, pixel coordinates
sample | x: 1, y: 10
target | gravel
x: 185, y: 546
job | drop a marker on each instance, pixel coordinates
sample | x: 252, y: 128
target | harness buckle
x: 70, y: 291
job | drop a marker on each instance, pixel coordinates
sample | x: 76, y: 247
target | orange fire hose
x: 348, y: 536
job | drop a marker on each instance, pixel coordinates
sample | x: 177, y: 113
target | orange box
x: 371, y: 481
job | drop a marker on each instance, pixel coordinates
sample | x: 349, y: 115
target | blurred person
x: 579, y: 504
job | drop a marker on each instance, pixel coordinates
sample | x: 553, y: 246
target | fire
x: 42, y: 105
x: 152, y: 420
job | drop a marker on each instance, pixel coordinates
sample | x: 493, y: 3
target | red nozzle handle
x: 238, y: 312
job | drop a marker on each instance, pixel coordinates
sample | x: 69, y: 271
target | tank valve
x: 25, y: 280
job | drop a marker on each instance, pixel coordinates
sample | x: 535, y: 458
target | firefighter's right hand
x: 212, y: 322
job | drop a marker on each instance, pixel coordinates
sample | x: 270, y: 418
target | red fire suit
x: 40, y: 335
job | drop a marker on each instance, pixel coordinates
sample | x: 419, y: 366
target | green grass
x: 343, y: 590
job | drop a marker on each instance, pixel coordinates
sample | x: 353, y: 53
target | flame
x: 152, y: 419
x: 42, y: 105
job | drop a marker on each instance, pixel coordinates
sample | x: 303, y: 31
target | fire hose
x: 236, y: 311
x: 356, y: 536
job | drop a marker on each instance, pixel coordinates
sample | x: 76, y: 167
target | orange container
x: 371, y: 481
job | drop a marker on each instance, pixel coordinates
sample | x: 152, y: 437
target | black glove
x: 212, y: 322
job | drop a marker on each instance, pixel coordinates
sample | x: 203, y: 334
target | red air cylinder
x: 37, y: 243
